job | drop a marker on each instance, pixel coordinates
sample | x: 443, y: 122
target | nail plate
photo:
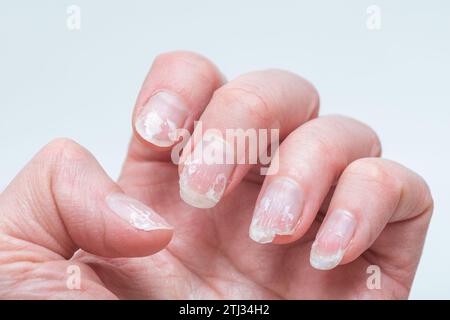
x: 160, y: 118
x: 278, y: 211
x: 332, y: 240
x: 135, y: 213
x: 206, y: 172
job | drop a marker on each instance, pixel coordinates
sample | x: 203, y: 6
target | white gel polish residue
x: 155, y: 127
x: 204, y: 178
x: 160, y: 118
x: 322, y: 261
x: 135, y: 213
x: 332, y: 240
x: 278, y: 212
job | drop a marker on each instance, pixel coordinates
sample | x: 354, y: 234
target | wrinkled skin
x: 210, y: 255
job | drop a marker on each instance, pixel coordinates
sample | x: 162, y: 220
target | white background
x: 82, y: 84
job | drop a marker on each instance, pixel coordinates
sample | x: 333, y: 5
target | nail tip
x: 322, y: 266
x: 156, y: 142
x: 153, y: 228
x: 137, y: 214
x: 324, y: 263
x: 278, y: 212
x: 195, y: 199
x: 160, y: 143
x: 260, y: 236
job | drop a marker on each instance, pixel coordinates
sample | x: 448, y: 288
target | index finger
x: 176, y: 90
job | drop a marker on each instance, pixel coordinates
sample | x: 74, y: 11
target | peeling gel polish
x: 278, y: 210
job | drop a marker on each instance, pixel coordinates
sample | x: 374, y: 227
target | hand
x: 63, y: 210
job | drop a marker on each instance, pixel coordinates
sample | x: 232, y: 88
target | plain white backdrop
x: 82, y: 83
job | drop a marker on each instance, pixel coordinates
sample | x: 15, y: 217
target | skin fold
x: 56, y: 213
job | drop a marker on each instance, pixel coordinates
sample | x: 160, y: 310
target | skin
x: 53, y: 214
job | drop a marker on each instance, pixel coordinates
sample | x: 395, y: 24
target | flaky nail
x: 160, y: 118
x: 332, y: 240
x: 278, y: 210
x: 135, y: 213
x: 206, y: 173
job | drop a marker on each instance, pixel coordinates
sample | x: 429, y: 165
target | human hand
x: 63, y: 209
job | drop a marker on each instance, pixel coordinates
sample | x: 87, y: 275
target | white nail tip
x: 324, y: 262
x: 195, y: 199
x: 202, y: 183
x: 278, y: 212
x: 206, y: 200
x: 135, y: 213
x: 261, y: 235
x: 332, y: 240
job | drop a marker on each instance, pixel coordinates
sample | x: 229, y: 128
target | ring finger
x: 311, y: 159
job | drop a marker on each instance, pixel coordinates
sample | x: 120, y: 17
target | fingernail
x: 135, y: 213
x: 332, y: 240
x: 206, y: 172
x: 160, y: 118
x: 277, y: 211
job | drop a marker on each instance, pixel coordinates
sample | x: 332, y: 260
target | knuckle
x: 430, y: 199
x: 430, y: 206
x: 168, y: 57
x: 179, y: 60
x: 427, y: 200
x: 64, y: 163
x: 55, y: 170
x: 246, y: 101
x: 377, y: 148
x: 337, y: 123
x: 324, y: 148
x: 374, y: 171
x: 307, y: 95
x: 315, y: 99
x: 62, y: 150
x: 321, y: 141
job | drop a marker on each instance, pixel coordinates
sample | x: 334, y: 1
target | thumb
x: 64, y: 201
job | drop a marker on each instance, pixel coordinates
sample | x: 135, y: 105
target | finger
x: 250, y: 104
x: 309, y: 162
x: 370, y: 194
x: 63, y: 201
x: 174, y: 94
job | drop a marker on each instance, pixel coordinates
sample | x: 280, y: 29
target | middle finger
x: 270, y: 99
